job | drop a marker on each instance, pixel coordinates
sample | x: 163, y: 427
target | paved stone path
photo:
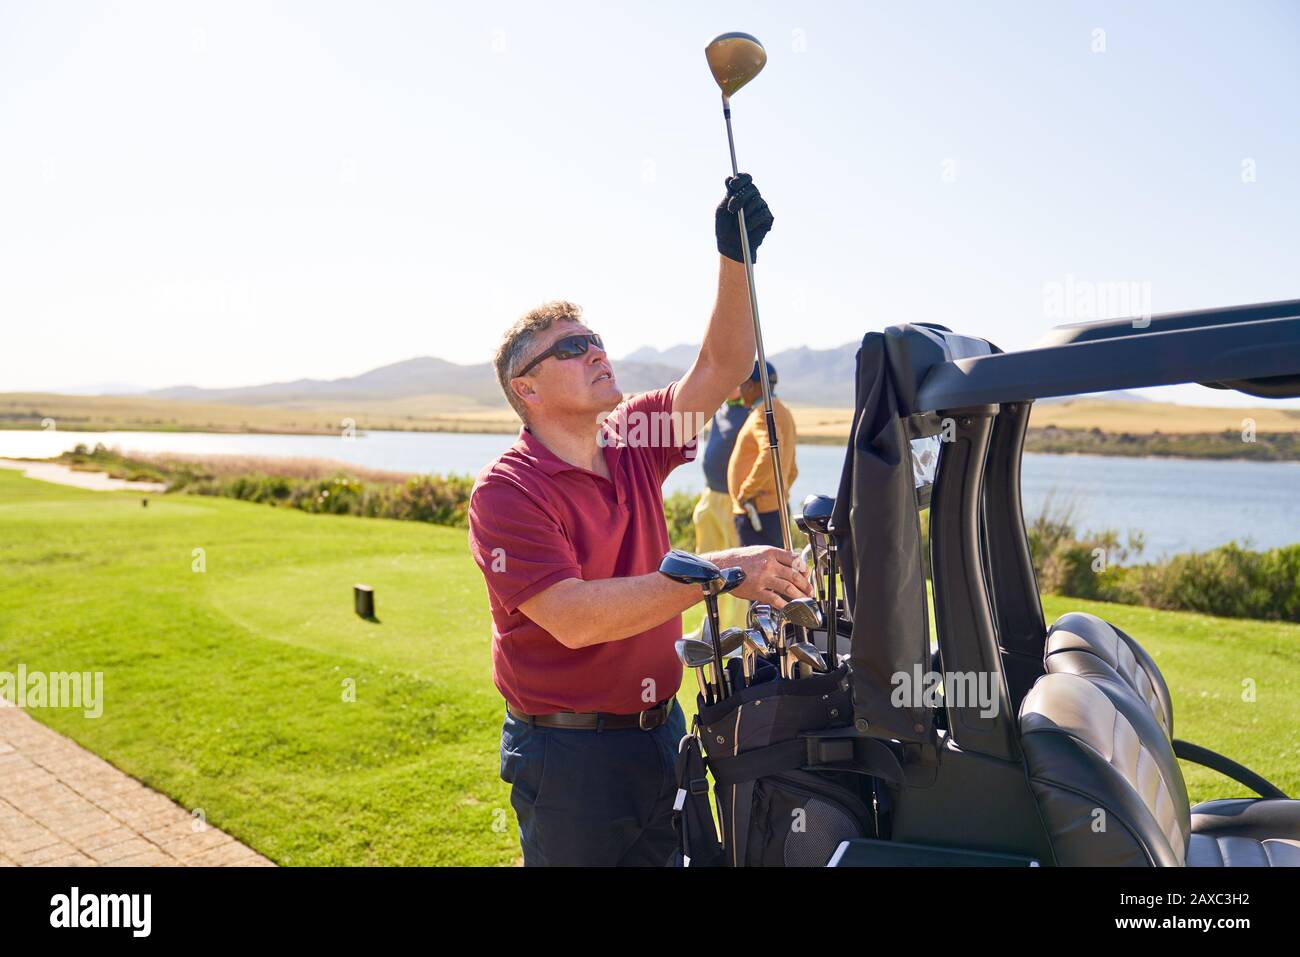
x: 60, y: 805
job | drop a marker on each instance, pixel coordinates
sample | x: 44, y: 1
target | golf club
x: 695, y: 655
x: 805, y: 653
x: 735, y: 59
x: 755, y: 647
x: 817, y: 512
x: 732, y: 641
x: 766, y: 620
x: 691, y: 569
x: 813, y: 554
x: 804, y: 614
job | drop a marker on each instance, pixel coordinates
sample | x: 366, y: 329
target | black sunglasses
x: 570, y: 347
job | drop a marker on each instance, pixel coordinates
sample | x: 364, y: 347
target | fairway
x: 225, y: 688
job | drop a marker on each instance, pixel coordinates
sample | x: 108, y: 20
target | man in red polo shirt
x: 568, y: 528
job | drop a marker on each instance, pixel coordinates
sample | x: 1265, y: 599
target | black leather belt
x: 597, y: 720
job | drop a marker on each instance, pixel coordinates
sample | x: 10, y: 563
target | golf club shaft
x: 719, y: 666
x: 769, y: 414
x: 832, y: 616
x: 815, y: 567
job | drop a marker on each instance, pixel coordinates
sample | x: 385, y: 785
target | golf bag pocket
x: 785, y: 796
x: 798, y: 819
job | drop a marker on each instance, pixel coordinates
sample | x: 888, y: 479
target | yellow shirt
x: 749, y: 473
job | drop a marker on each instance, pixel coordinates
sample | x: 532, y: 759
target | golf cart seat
x: 1083, y: 644
x: 1110, y: 791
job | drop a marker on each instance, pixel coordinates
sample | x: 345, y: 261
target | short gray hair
x: 517, y: 343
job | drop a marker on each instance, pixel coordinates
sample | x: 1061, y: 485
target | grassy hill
x: 426, y: 413
x: 225, y: 688
x: 435, y: 412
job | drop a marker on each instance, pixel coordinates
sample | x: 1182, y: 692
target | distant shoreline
x: 1267, y: 447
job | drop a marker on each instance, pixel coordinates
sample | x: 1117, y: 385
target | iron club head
x: 757, y: 643
x: 694, y: 653
x: 765, y: 622
x: 803, y: 612
x: 806, y: 653
x: 732, y: 639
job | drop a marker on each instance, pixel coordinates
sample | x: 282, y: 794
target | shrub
x: 679, y: 507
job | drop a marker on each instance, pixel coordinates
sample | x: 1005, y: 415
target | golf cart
x: 1076, y: 762
x: 1013, y: 743
x: 1046, y: 745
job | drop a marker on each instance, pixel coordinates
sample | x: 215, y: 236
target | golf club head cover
x: 741, y: 194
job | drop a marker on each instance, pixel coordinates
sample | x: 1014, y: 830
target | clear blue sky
x: 223, y: 194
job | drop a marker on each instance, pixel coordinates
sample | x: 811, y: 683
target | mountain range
x: 818, y: 377
x: 806, y: 377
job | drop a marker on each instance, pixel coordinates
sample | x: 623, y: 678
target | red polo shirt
x: 535, y: 520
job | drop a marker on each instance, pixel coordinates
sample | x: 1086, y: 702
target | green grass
x: 224, y: 689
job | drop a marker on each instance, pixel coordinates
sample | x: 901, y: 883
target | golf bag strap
x: 697, y: 837
x: 870, y: 756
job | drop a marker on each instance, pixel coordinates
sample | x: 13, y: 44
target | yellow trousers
x: 715, y: 530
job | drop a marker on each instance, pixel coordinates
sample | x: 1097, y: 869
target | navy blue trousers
x: 594, y: 798
x: 770, y: 535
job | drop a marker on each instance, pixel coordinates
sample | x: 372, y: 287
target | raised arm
x: 727, y: 354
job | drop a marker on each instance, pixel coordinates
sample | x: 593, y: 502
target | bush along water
x: 1232, y: 581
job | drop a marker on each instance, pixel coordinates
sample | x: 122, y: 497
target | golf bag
x: 791, y: 778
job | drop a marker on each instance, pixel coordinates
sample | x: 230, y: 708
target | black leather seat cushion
x: 1083, y: 644
x: 1122, y: 717
x: 1245, y: 832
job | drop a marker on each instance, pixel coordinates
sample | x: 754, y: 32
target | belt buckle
x: 660, y: 709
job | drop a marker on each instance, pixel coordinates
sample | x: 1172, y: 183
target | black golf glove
x: 741, y: 194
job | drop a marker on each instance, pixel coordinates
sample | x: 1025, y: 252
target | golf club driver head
x: 817, y: 511
x: 690, y: 569
x: 731, y: 579
x: 734, y: 60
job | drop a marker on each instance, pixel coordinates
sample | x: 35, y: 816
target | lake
x: 1180, y: 505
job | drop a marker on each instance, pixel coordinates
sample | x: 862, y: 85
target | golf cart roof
x: 1254, y: 349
